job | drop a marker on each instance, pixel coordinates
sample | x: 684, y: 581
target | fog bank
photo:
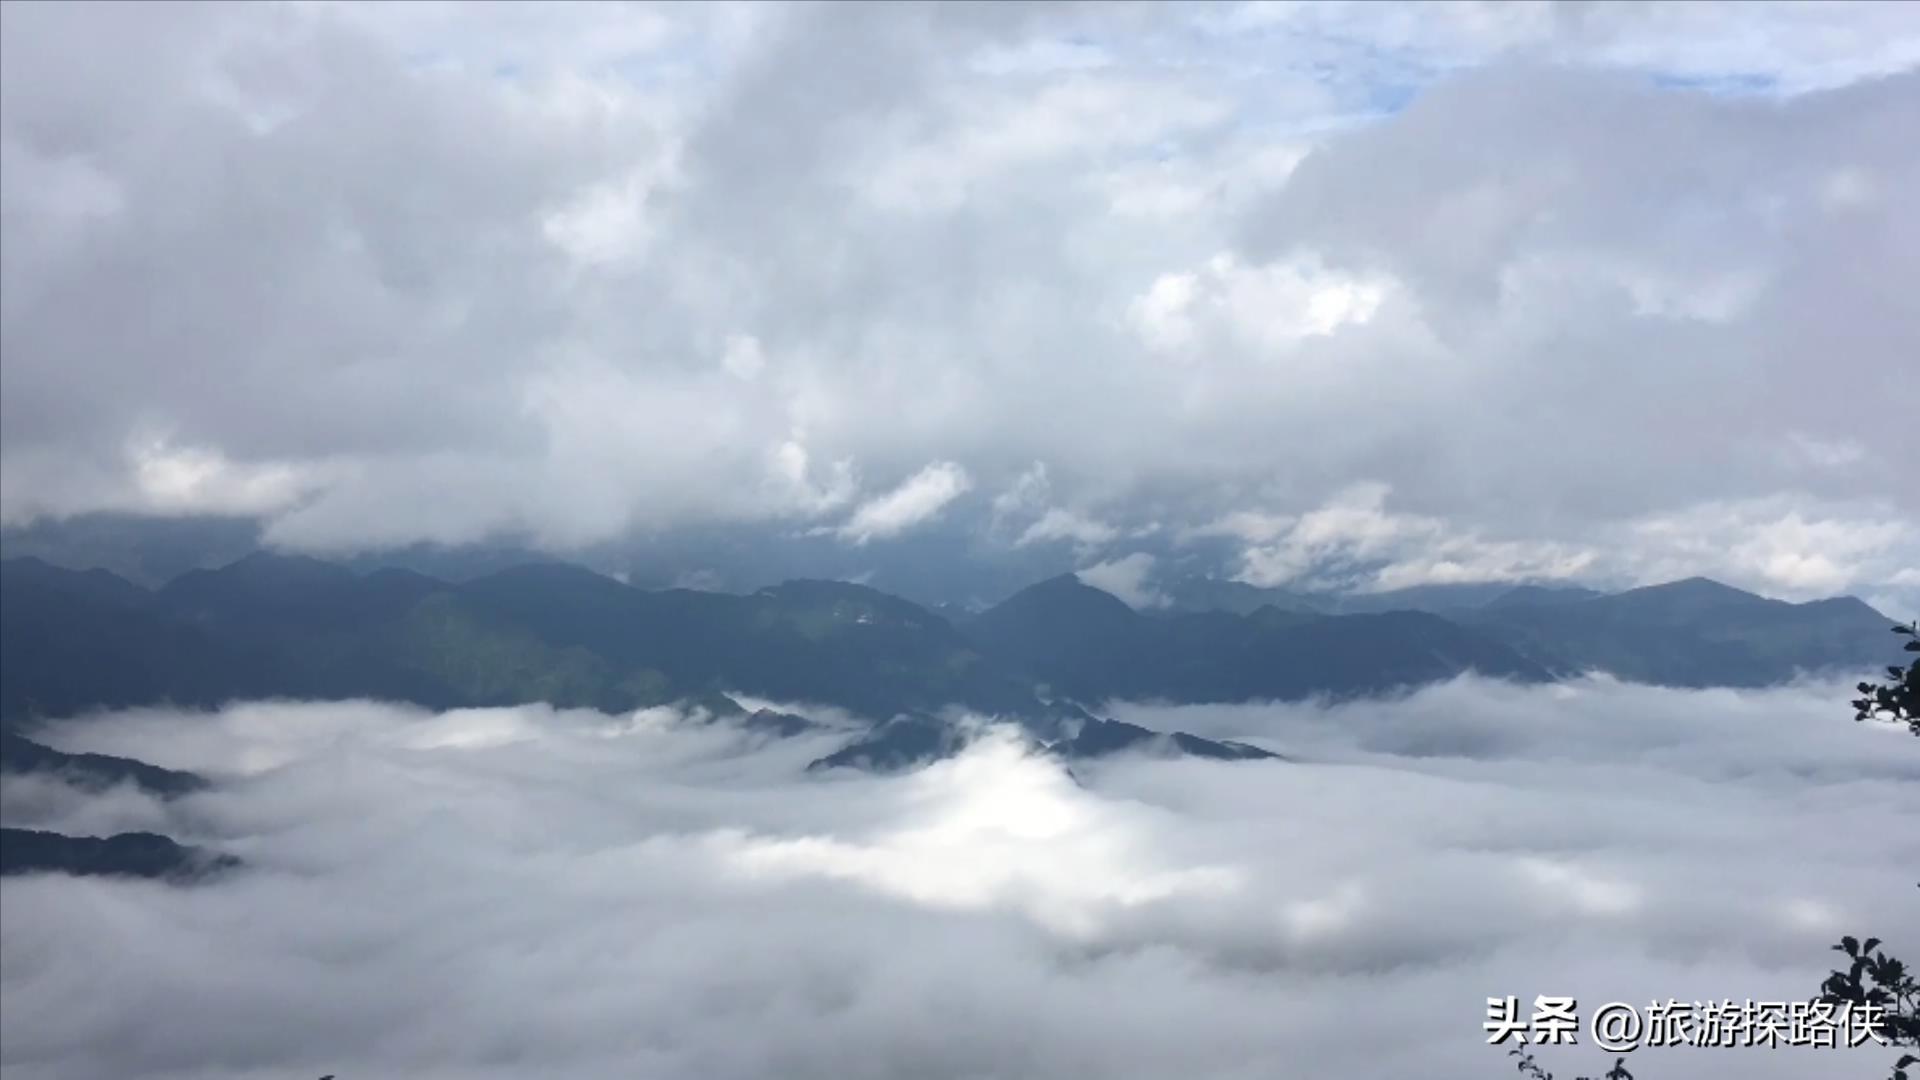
x: 515, y: 892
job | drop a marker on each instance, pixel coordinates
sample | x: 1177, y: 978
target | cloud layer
x: 519, y: 891
x: 1558, y: 278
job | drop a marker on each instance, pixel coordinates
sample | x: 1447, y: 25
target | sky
x: 515, y: 892
x: 1352, y: 295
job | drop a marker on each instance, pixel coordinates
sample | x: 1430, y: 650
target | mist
x: 530, y: 891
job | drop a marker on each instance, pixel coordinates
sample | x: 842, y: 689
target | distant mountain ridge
x: 1694, y: 632
x: 137, y: 854
x: 20, y: 756
x: 1088, y: 645
x: 289, y: 626
x: 1190, y: 594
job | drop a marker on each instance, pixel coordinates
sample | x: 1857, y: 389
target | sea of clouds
x: 530, y: 892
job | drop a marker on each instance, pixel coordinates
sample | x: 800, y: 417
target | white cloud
x: 194, y: 481
x: 604, y: 226
x: 483, y: 892
x: 1354, y: 540
x: 1027, y: 494
x: 1827, y: 453
x: 919, y: 499
x: 984, y: 138
x: 1789, y: 547
x: 567, y: 276
x: 1162, y: 312
x: 1251, y: 526
x: 1062, y: 524
x: 1269, y: 307
x: 155, y: 476
x: 1126, y: 577
x: 793, y: 470
x: 742, y: 357
x: 1022, y: 515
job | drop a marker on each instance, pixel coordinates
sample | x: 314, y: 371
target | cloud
x: 1126, y: 578
x: 918, y: 499
x: 1789, y: 545
x: 742, y: 357
x: 1354, y: 541
x: 1781, y: 546
x: 1780, y: 49
x: 1270, y: 307
x: 566, y: 276
x: 492, y: 892
x: 1059, y: 523
x: 1028, y: 499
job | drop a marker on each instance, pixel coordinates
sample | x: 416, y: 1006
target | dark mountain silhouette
x: 283, y: 626
x: 94, y: 772
x: 73, y: 640
x: 139, y: 854
x: 1086, y: 644
x: 1097, y: 738
x: 1071, y: 734
x: 1239, y: 598
x: 1541, y: 595
x: 1694, y: 632
x: 899, y: 743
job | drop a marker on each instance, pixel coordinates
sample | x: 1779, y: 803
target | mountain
x: 823, y: 641
x: 73, y: 640
x: 283, y: 626
x: 138, y: 854
x: 1191, y: 594
x: 1097, y: 738
x: 20, y: 755
x: 1541, y: 595
x: 1195, y: 594
x: 1082, y: 643
x: 899, y: 743
x: 1694, y: 632
x: 149, y: 551
x: 907, y: 741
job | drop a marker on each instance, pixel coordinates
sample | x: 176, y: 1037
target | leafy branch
x: 1898, y: 699
x: 1531, y: 1069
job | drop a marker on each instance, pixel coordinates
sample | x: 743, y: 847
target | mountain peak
x: 1690, y: 593
x: 103, y: 584
x: 263, y: 570
x: 1062, y: 605
x: 1845, y: 606
x: 1537, y: 595
x: 1697, y: 583
x: 1069, y: 589
x: 821, y: 588
x: 278, y: 563
x: 547, y: 575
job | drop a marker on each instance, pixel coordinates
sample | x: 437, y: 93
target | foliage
x: 1532, y: 1070
x: 1873, y: 978
x: 1898, y: 699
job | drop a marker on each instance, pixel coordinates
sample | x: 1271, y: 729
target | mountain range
x: 275, y: 626
x: 289, y: 626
